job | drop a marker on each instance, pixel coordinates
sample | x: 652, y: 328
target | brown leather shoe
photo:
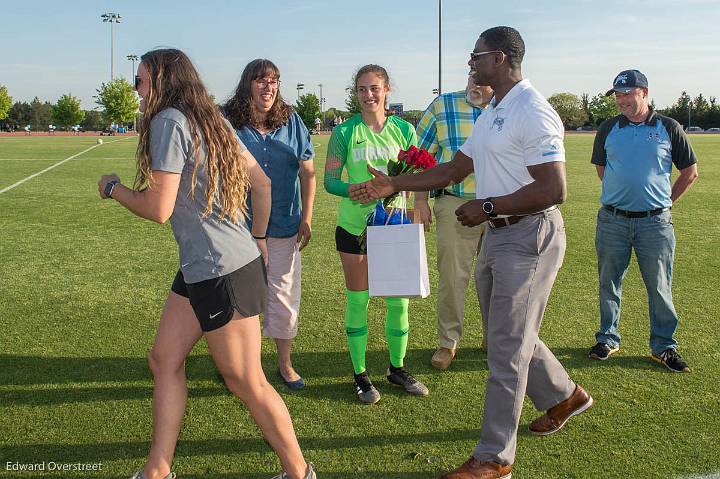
x: 474, y: 469
x: 442, y: 358
x: 555, y: 418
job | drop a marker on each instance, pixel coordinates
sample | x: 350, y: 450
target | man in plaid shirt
x: 446, y: 124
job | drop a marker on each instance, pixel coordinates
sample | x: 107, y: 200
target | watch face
x: 487, y: 207
x: 109, y: 188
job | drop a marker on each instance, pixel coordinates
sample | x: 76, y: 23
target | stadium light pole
x: 322, y: 113
x: 111, y: 18
x: 439, y: 87
x: 299, y: 87
x: 689, y: 105
x: 133, y: 59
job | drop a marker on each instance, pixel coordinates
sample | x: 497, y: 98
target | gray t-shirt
x: 209, y: 247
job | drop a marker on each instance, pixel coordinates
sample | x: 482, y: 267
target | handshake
x: 381, y: 186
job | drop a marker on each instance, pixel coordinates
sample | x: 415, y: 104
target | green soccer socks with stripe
x: 356, y: 328
x: 396, y: 329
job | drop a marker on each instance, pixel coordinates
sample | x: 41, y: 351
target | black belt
x: 504, y: 221
x: 511, y: 220
x: 635, y: 214
x: 439, y: 193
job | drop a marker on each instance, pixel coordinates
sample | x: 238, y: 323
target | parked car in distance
x: 585, y: 128
x: 713, y: 130
x: 694, y: 129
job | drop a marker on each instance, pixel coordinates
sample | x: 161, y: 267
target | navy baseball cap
x: 626, y: 80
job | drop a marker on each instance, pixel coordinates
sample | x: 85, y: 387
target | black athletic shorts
x: 346, y: 242
x: 214, y: 300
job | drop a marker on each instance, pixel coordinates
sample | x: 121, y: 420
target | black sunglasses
x: 138, y: 80
x: 475, y: 55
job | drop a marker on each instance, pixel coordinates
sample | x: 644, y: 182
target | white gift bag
x: 397, y: 261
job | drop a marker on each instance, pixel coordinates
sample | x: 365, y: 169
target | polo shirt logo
x: 654, y: 136
x: 554, y: 150
x: 499, y: 122
x: 621, y: 79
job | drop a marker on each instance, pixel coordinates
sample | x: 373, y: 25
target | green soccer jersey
x: 358, y: 146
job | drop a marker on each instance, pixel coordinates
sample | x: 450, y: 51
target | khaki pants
x: 457, y: 248
x: 280, y: 320
x: 516, y: 270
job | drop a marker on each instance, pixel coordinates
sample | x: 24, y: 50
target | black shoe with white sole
x: 602, y: 351
x: 671, y: 359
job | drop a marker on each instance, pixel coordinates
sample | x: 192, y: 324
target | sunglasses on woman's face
x: 138, y: 81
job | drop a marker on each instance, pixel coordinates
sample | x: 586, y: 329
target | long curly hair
x: 240, y: 109
x: 174, y: 82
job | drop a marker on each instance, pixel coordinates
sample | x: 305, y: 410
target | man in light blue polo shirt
x: 634, y: 153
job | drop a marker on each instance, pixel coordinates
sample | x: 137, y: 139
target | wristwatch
x: 109, y: 188
x: 489, y: 207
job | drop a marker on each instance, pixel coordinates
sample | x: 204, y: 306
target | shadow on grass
x: 19, y: 370
x: 26, y: 373
x: 41, y: 381
x: 340, y: 393
x: 577, y: 358
x: 111, y: 451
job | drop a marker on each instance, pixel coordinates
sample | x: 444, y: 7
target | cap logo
x: 621, y: 79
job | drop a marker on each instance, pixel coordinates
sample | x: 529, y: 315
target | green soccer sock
x: 356, y: 327
x: 396, y: 329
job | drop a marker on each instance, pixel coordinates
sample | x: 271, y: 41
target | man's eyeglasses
x: 138, y: 81
x: 474, y: 55
x: 264, y: 82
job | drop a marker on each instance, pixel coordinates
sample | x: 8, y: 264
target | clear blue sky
x: 52, y: 47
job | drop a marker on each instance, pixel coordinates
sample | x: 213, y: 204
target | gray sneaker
x: 310, y: 474
x: 402, y: 378
x: 140, y: 475
x: 365, y: 390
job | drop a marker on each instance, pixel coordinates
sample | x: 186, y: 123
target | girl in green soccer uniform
x: 368, y: 138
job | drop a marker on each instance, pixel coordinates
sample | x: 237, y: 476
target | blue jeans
x: 653, y: 239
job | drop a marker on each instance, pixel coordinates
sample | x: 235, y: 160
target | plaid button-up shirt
x: 446, y: 124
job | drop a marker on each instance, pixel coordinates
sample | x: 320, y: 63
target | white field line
x: 56, y: 165
x: 53, y: 159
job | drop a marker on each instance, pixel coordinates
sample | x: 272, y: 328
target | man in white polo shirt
x: 516, y: 151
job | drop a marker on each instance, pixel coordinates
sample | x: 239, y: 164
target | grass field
x: 82, y: 282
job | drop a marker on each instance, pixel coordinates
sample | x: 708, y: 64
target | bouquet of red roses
x: 411, y: 160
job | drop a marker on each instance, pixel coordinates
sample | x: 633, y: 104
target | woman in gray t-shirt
x: 193, y: 171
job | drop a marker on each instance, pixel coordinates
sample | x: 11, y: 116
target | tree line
x: 119, y: 106
x: 116, y: 99
x: 586, y: 112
